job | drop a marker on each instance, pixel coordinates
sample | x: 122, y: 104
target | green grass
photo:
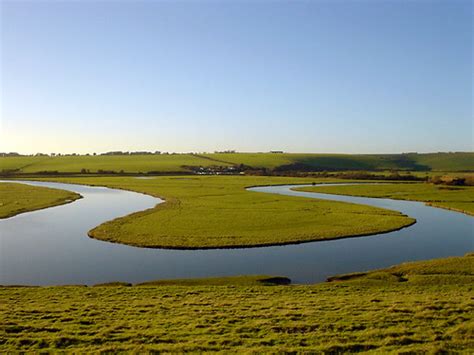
x: 316, y: 161
x: 19, y: 198
x: 458, y: 198
x: 217, y: 212
x: 256, y: 160
x: 434, y: 161
x: 453, y: 270
x: 285, y: 161
x: 19, y: 163
x: 127, y: 163
x: 432, y: 311
x: 446, y: 161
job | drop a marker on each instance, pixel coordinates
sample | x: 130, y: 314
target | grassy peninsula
x: 18, y: 198
x: 217, y: 212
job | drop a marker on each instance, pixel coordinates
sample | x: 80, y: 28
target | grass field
x: 423, y: 307
x: 19, y: 163
x: 285, y: 161
x: 127, y: 163
x: 458, y: 198
x: 426, y: 162
x: 320, y: 161
x: 19, y: 198
x: 217, y: 212
x: 446, y: 161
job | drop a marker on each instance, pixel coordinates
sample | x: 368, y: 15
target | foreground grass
x: 430, y: 311
x: 217, y: 212
x: 18, y: 198
x: 458, y: 198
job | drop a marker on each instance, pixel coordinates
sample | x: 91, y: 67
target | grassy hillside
x: 19, y: 163
x: 416, y: 307
x: 217, y: 211
x: 446, y: 161
x: 459, y: 198
x: 127, y: 163
x: 288, y: 161
x: 426, y: 162
x: 19, y: 198
x: 278, y: 162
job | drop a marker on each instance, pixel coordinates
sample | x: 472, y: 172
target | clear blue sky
x: 300, y: 76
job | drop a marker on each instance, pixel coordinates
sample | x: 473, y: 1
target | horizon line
x: 158, y: 152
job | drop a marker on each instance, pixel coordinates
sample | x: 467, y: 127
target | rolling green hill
x: 127, y: 163
x: 271, y: 161
x: 446, y: 161
x: 291, y: 161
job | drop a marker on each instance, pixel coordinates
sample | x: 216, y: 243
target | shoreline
x: 260, y: 245
x: 53, y: 204
x: 426, y: 203
x: 165, y: 203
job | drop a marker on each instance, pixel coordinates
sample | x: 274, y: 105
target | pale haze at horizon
x: 304, y: 76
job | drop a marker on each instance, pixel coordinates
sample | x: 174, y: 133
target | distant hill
x: 319, y: 162
x: 281, y: 162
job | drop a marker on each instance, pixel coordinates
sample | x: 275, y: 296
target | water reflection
x: 51, y: 246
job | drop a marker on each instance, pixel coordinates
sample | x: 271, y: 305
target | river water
x: 51, y: 246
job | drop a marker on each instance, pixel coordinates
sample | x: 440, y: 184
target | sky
x: 300, y: 76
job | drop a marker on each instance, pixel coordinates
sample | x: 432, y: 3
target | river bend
x: 51, y: 246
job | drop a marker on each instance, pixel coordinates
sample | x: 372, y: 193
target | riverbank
x: 76, y: 257
x: 455, y: 198
x: 423, y: 307
x: 19, y: 198
x: 217, y: 212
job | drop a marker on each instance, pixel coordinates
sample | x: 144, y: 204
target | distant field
x: 279, y: 162
x: 19, y: 198
x: 20, y: 163
x: 446, y: 161
x: 217, y: 211
x: 435, y: 161
x: 423, y: 307
x: 459, y: 198
x: 127, y: 163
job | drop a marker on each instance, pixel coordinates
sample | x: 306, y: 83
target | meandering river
x: 51, y: 246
